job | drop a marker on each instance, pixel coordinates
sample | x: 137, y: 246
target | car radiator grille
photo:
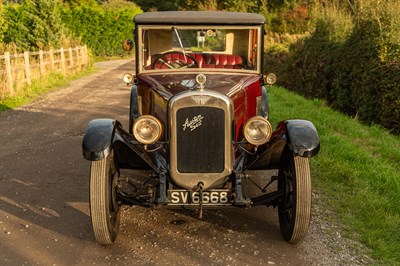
x: 200, y: 140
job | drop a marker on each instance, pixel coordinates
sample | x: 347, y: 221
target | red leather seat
x: 222, y: 61
x: 205, y: 60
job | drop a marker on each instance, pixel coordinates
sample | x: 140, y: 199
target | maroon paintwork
x: 156, y: 90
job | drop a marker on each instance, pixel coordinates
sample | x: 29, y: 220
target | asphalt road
x: 44, y: 211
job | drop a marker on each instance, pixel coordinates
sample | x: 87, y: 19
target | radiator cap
x: 201, y: 79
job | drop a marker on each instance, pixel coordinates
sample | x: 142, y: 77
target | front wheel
x: 295, y: 207
x: 104, y: 209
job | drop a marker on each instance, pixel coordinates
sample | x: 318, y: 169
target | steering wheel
x: 174, y: 63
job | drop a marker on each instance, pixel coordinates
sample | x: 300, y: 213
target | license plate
x: 188, y: 197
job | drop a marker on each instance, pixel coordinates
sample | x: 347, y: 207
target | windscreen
x: 217, y: 48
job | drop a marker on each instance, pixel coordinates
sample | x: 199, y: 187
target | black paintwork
x: 199, y: 17
x: 303, y: 139
x: 98, y: 137
x: 205, y: 142
x: 102, y: 135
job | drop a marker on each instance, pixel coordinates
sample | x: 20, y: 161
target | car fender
x: 98, y: 138
x: 302, y: 137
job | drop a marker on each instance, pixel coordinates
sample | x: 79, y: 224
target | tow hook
x: 200, y: 187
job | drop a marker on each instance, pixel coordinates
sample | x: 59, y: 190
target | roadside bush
x: 291, y: 20
x: 102, y: 30
x: 16, y: 32
x: 33, y: 25
x: 351, y: 60
x: 277, y: 50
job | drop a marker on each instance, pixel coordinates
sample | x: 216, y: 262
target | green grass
x: 39, y: 87
x: 357, y: 170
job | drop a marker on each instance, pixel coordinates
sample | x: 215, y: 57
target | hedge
x: 41, y: 24
x: 352, y: 61
x: 103, y: 31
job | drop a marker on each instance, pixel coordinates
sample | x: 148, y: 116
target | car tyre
x: 104, y: 209
x: 294, y: 209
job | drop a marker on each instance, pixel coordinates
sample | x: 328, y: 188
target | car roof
x: 199, y: 17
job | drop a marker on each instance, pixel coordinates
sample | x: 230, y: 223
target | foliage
x: 155, y: 5
x: 13, y: 1
x: 102, y: 29
x: 258, y: 6
x: 3, y: 21
x: 33, y: 25
x: 282, y: 15
x: 17, y: 30
x: 277, y: 50
x: 44, y: 23
x: 41, y: 24
x: 118, y: 5
x: 352, y: 61
x: 294, y: 20
x: 75, y: 3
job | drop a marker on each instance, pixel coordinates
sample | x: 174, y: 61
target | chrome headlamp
x: 127, y: 78
x: 147, y: 129
x: 257, y: 130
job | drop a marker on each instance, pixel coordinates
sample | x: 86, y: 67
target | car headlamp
x: 257, y: 130
x: 127, y: 78
x: 147, y: 129
x: 270, y: 79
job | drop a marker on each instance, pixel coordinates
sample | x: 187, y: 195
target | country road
x: 44, y: 211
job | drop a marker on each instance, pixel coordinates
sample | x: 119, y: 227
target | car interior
x: 212, y: 48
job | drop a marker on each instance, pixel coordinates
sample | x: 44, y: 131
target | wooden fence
x: 18, y: 70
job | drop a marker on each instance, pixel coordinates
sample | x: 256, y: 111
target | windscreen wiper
x: 180, y: 42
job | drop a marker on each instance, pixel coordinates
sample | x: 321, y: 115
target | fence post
x: 41, y: 63
x: 27, y: 69
x: 85, y: 57
x: 51, y: 54
x: 8, y: 72
x: 62, y: 60
x: 71, y: 59
x: 78, y: 58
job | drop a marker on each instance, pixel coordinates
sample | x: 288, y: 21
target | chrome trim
x: 209, y: 99
x: 148, y: 117
x: 266, y: 138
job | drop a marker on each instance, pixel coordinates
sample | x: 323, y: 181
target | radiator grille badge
x: 194, y: 123
x: 201, y: 100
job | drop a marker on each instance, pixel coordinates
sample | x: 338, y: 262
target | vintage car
x: 198, y: 122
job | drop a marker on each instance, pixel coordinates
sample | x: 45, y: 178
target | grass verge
x: 357, y: 170
x: 39, y: 87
